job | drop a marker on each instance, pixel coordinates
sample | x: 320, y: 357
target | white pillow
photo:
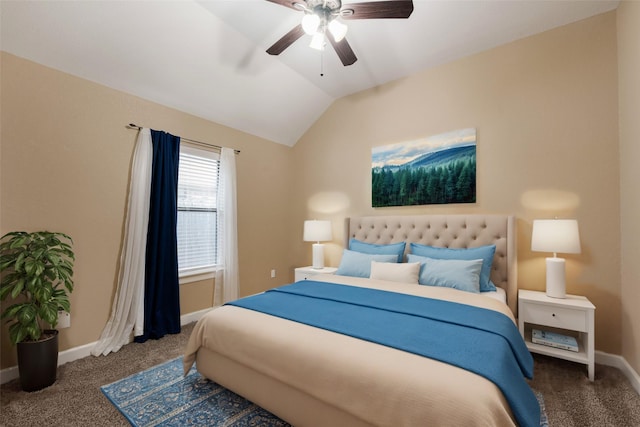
x: 396, y: 272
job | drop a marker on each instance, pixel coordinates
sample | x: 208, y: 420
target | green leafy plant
x: 37, y: 270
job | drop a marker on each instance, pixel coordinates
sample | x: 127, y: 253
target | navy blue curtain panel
x: 161, y: 288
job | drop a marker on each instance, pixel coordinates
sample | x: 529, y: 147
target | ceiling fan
x: 322, y: 18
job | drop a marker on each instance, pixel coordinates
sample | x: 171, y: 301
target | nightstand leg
x: 591, y: 347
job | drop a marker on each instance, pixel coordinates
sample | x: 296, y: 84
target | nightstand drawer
x: 559, y: 317
x: 307, y: 273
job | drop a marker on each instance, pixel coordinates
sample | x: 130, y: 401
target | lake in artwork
x: 435, y: 170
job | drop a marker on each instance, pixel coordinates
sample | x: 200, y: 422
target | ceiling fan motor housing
x: 331, y: 5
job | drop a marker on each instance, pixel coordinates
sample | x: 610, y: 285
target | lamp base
x: 318, y: 256
x: 556, y: 286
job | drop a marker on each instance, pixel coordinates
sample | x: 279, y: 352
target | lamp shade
x: 337, y: 29
x: 317, y: 41
x: 310, y: 23
x: 555, y: 235
x: 317, y: 231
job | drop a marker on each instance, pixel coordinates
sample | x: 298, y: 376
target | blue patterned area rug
x: 162, y: 396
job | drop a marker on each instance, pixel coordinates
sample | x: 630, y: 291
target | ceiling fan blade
x: 286, y: 40
x: 344, y: 51
x: 286, y: 3
x: 378, y: 9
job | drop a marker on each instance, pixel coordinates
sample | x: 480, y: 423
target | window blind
x: 197, y: 210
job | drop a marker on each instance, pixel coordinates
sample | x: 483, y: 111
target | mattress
x: 499, y: 294
x: 284, y: 365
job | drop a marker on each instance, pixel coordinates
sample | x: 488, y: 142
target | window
x: 197, y: 213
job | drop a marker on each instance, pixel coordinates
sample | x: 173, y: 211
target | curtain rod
x: 193, y: 141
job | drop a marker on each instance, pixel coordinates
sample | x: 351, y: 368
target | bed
x: 313, y: 376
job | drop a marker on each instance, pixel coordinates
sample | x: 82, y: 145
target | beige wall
x: 65, y: 160
x: 628, y: 15
x: 545, y: 111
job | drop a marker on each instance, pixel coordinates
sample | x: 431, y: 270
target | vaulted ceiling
x: 208, y: 58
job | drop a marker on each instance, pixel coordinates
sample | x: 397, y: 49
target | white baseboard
x: 621, y: 363
x: 9, y: 374
x: 82, y: 351
x: 193, y: 317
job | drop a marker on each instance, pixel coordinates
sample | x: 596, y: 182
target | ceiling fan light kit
x: 310, y: 23
x: 322, y: 15
x: 337, y: 29
x: 317, y: 41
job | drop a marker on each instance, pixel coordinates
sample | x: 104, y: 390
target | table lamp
x: 317, y: 231
x: 555, y: 235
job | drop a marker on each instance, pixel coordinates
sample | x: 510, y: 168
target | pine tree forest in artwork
x: 435, y: 170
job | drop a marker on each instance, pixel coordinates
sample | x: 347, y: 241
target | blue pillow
x: 451, y: 273
x: 481, y: 252
x: 370, y: 248
x: 357, y: 264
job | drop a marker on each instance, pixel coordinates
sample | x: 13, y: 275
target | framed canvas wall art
x: 434, y: 170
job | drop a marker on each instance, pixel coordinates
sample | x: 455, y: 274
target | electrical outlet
x: 64, y: 320
x: 273, y: 273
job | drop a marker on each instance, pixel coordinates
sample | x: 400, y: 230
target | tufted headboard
x: 449, y: 231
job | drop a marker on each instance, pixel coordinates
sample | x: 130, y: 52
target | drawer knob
x: 553, y: 314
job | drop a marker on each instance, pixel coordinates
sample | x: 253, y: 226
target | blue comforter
x: 481, y: 341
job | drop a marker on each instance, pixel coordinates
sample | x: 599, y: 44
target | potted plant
x: 37, y: 270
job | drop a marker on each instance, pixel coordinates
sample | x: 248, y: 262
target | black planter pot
x: 38, y: 362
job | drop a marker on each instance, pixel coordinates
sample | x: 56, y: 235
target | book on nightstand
x: 553, y: 339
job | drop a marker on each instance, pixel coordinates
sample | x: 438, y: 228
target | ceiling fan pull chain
x: 322, y: 63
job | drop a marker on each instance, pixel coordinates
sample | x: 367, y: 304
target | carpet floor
x: 75, y: 399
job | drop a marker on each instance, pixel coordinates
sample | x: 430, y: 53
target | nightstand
x: 573, y: 315
x: 304, y: 273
